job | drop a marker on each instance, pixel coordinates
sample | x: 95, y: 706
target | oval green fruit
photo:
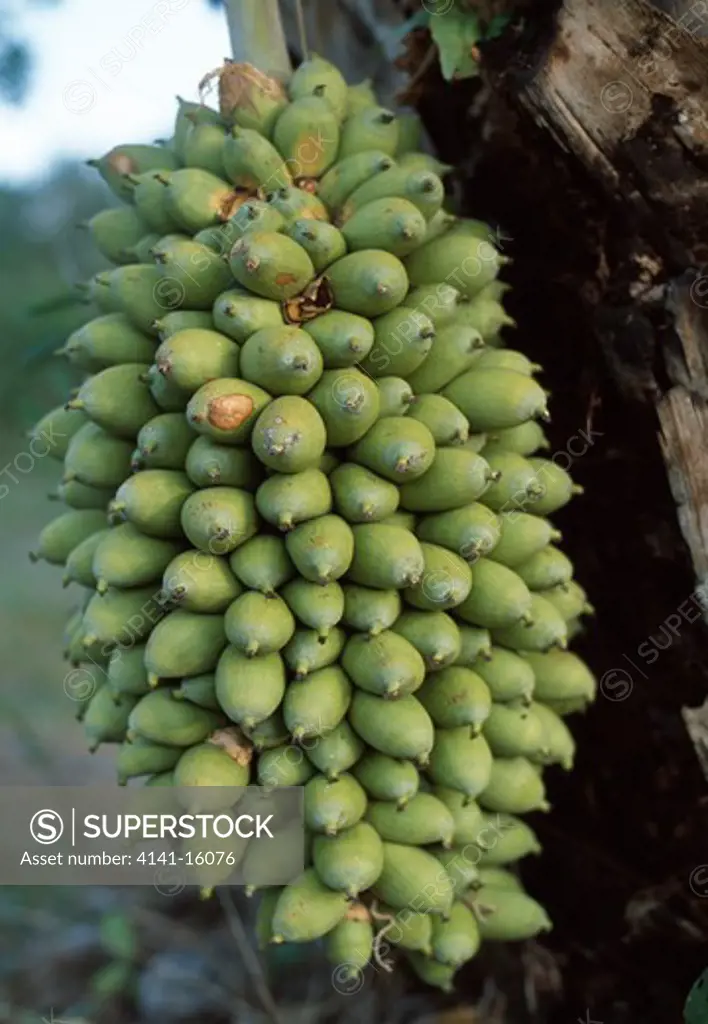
x: 454, y: 351
x: 259, y: 624
x: 496, y: 399
x: 331, y: 807
x: 316, y: 606
x: 370, y: 282
x: 307, y: 909
x: 289, y: 435
x: 434, y: 635
x: 456, y: 697
x: 396, y: 448
x: 184, y: 644
x: 514, y: 787
x: 318, y: 704
x: 348, y: 402
x: 216, y: 520
x: 470, y: 531
x: 387, y: 778
x: 284, y: 500
x: 499, y: 598
x: 412, y: 878
x: 400, y: 728
x: 152, y: 501
x: 209, y: 464
x: 342, y: 338
x: 545, y: 628
x: 386, y: 665
x: 271, y: 265
x: 351, y: 861
x: 308, y: 651
x: 158, y: 718
x: 360, y: 495
x: 385, y: 557
x: 196, y: 582
x: 508, y: 676
x: 128, y: 558
x: 445, y: 583
x: 262, y: 564
x: 249, y: 689
x: 460, y: 761
x: 424, y: 820
x: 370, y: 611
x: 321, y: 549
x: 283, y: 360
x: 456, y: 939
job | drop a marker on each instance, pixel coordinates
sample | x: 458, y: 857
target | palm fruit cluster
x: 307, y: 512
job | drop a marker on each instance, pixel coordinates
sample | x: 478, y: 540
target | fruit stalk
x: 257, y: 36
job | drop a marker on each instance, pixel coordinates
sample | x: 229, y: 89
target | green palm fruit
x: 507, y: 916
x: 307, y: 909
x: 456, y: 478
x: 168, y: 396
x: 420, y: 161
x: 271, y: 264
x: 152, y: 501
x: 80, y: 560
x: 514, y: 786
x: 460, y: 867
x: 239, y: 314
x: 389, y: 223
x: 295, y: 204
x: 523, y: 536
x: 423, y: 820
x: 331, y: 807
x: 269, y: 733
x: 569, y: 599
x: 204, y: 148
x: 257, y: 99
x: 369, y: 282
x: 549, y: 567
x: 126, y: 557
x: 126, y: 672
x: 184, y: 644
x: 400, y: 728
x: 196, y: 582
x: 485, y: 312
x: 115, y: 230
x: 395, y: 396
x: 453, y: 353
x: 209, y: 464
x: 360, y: 96
x: 405, y: 928
x: 60, y: 537
x: 350, y: 944
x: 258, y: 624
x: 475, y: 645
x: 216, y: 520
x: 466, y: 262
x: 511, y: 840
x: 558, y: 742
x: 387, y: 778
x: 199, y: 690
x: 446, y: 581
x: 160, y: 719
x: 141, y: 292
x: 163, y: 442
x: 262, y: 564
x: 498, y: 599
x: 335, y: 187
x: 57, y: 429
x: 317, y: 77
x: 470, y: 531
x: 194, y: 271
x: 196, y: 199
x: 285, y: 765
x: 249, y: 689
x: 226, y: 410
x: 557, y: 484
x: 525, y: 439
x: 506, y: 359
x: 318, y: 704
x: 386, y: 665
x: 386, y: 557
x: 403, y: 339
x: 416, y: 187
x: 455, y: 697
x: 370, y: 611
x: 307, y: 651
x: 342, y: 338
x: 348, y: 403
x: 321, y: 549
x: 289, y: 435
x: 336, y: 752
x: 561, y: 676
x: 222, y: 760
x: 499, y: 878
x: 456, y: 940
x: 149, y: 199
x: 495, y: 399
x: 403, y: 520
x: 286, y: 500
x: 441, y: 222
x: 513, y: 729
x: 371, y: 128
x: 322, y: 242
x: 545, y: 630
x: 516, y: 485
x: 508, y: 676
x: 434, y: 635
x: 106, y: 718
x: 117, y: 399
x: 439, y: 302
x: 283, y: 360
x: 307, y: 136
x: 107, y: 341
x: 98, y: 291
x: 361, y: 496
x: 254, y: 213
x: 318, y: 607
x: 414, y: 879
x: 443, y: 419
x: 460, y: 760
x: 122, y: 162
x: 467, y: 816
x: 91, y: 681
x: 431, y: 972
x: 143, y: 758
x: 396, y: 448
x: 192, y: 358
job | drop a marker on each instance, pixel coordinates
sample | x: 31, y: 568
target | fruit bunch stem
x: 257, y: 36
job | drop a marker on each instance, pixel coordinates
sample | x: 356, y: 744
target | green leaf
x: 118, y: 936
x: 456, y: 33
x: 112, y: 980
